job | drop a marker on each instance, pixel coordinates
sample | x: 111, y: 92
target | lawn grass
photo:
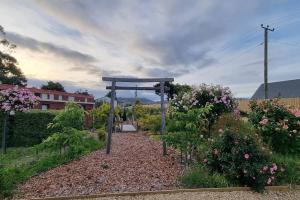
x: 198, y: 177
x: 18, y: 164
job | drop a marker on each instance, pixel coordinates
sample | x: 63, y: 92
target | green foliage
x: 150, y: 123
x: 72, y: 116
x: 101, y: 113
x: 53, y: 86
x: 291, y: 168
x: 199, y: 177
x: 185, y: 131
x: 241, y: 159
x: 28, y: 128
x: 13, y: 174
x: 230, y: 121
x: 101, y: 133
x: 69, y: 140
x: 10, y: 73
x: 174, y: 89
x: 278, y: 125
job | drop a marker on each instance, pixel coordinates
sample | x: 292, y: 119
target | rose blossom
x: 265, y: 168
x: 264, y: 121
x: 246, y: 156
x: 285, y: 126
x: 269, y: 181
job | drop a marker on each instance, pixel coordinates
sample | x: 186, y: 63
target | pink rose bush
x: 278, y: 125
x: 241, y: 159
x: 220, y: 98
x: 17, y: 100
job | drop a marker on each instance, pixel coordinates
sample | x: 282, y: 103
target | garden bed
x: 135, y: 164
x: 273, y: 192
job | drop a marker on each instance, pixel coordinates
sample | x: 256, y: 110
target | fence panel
x: 295, y: 102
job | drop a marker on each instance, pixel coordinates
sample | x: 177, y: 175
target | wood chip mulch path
x: 135, y: 164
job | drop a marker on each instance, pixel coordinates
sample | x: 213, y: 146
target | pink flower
x: 205, y: 160
x: 298, y: 123
x: 275, y: 166
x: 264, y: 121
x: 269, y: 181
x: 295, y: 112
x: 246, y: 156
x: 265, y: 168
x: 285, y: 126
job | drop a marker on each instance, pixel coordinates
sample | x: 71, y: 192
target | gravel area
x: 135, y: 164
x: 240, y: 195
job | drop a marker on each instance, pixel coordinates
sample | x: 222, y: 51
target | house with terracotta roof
x: 56, y: 100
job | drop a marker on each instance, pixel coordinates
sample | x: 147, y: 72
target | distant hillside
x: 124, y: 100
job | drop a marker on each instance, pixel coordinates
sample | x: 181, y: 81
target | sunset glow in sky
x: 220, y: 42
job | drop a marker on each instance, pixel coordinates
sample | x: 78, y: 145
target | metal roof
x: 284, y: 89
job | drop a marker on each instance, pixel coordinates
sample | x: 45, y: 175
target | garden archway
x: 113, y: 89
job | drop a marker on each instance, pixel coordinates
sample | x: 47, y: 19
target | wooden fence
x: 295, y: 102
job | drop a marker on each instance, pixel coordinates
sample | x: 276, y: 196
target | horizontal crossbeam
x: 115, y: 79
x: 135, y: 88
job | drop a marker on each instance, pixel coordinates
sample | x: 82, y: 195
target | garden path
x: 128, y: 128
x: 135, y: 164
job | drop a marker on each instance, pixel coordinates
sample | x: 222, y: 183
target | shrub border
x: 144, y: 193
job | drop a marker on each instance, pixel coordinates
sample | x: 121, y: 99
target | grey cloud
x: 175, y: 34
x: 83, y: 62
x: 35, y: 45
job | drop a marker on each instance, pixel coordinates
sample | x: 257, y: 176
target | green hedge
x: 29, y: 128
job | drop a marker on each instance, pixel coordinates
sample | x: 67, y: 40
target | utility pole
x: 266, y: 58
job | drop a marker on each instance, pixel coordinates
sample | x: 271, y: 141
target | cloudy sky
x: 208, y: 41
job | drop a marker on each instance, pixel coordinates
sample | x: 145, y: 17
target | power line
x: 242, y: 53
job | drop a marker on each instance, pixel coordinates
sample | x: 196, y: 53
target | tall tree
x: 174, y: 89
x: 10, y: 73
x: 53, y: 86
x: 84, y: 92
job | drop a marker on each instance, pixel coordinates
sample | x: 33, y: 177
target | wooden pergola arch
x: 113, y: 89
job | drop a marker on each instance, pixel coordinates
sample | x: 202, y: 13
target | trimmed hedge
x: 29, y: 128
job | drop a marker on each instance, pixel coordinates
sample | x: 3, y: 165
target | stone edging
x: 228, y: 189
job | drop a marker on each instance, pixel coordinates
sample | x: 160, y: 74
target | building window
x: 71, y: 98
x: 60, y: 97
x: 45, y: 106
x: 51, y: 96
x: 45, y: 96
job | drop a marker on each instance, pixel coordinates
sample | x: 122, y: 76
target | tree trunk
x: 4, y: 133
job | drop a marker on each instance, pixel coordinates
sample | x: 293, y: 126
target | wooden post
x: 4, y: 133
x: 163, y: 115
x: 111, y: 117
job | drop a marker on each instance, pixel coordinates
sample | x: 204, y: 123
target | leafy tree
x: 108, y: 94
x: 174, y: 89
x: 72, y: 116
x: 53, y: 86
x: 85, y: 92
x: 10, y: 73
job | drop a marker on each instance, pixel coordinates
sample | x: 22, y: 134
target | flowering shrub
x: 14, y: 99
x: 220, y: 98
x: 240, y: 158
x: 278, y: 125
